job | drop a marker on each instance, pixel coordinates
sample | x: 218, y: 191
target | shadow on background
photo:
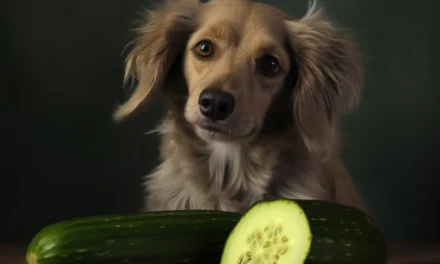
x: 62, y: 66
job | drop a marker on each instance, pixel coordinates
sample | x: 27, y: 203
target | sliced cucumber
x: 304, y: 231
x: 270, y: 232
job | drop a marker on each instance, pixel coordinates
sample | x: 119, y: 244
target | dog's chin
x: 211, y: 132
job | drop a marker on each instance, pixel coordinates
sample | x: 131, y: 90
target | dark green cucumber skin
x: 154, y: 237
x: 199, y: 237
x: 342, y: 234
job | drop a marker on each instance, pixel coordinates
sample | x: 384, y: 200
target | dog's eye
x: 268, y: 65
x: 204, y: 49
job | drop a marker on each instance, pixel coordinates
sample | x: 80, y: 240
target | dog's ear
x: 329, y: 80
x: 161, y: 38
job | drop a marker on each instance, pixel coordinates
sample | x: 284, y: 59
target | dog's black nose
x: 216, y: 104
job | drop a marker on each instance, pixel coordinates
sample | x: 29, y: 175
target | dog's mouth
x: 222, y: 131
x: 216, y: 128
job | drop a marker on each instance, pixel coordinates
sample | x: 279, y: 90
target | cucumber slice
x: 270, y: 232
x: 287, y: 231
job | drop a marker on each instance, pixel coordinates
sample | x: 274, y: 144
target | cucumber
x: 287, y: 231
x: 152, y: 237
x: 279, y: 231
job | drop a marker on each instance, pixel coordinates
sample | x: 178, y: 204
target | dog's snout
x: 216, y: 104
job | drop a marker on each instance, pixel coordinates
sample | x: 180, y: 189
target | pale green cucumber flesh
x: 323, y: 232
x: 269, y: 232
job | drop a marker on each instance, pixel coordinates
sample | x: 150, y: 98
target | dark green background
x: 62, y: 156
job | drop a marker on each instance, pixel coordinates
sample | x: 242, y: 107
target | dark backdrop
x: 62, y: 157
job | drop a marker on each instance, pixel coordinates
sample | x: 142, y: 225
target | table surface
x: 420, y: 253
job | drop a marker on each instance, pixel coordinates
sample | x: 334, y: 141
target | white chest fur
x: 237, y: 175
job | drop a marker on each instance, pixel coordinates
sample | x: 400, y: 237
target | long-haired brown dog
x: 252, y: 96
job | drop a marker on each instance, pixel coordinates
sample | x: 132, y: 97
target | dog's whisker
x: 153, y: 131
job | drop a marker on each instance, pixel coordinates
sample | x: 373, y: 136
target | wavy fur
x: 295, y: 152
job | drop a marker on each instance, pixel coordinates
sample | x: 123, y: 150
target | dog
x: 252, y: 99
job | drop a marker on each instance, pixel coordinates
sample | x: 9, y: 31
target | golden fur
x: 281, y: 140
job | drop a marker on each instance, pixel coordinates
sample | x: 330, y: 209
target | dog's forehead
x: 247, y: 18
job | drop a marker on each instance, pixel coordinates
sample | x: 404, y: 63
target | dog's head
x: 238, y: 61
